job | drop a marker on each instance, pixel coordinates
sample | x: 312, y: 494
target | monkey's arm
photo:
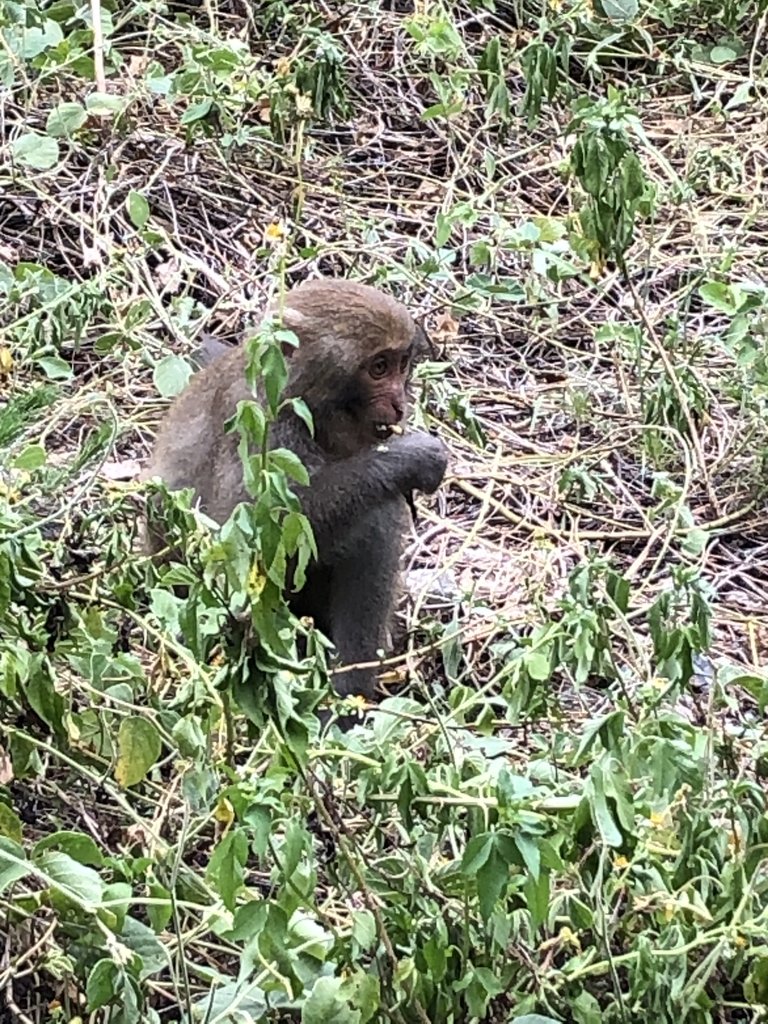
x: 342, y: 492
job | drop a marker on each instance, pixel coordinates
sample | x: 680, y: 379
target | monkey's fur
x: 351, y: 367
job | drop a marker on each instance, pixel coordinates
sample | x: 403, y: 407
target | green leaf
x: 101, y: 986
x: 226, y: 868
x: 601, y: 814
x: 38, y: 39
x: 38, y: 151
x: 326, y: 1004
x: 33, y: 457
x: 75, y: 844
x: 138, y: 209
x: 159, y: 914
x: 619, y: 10
x: 723, y: 54
x: 139, y: 746
x: 171, y: 375
x: 143, y: 941
x: 13, y: 863
x: 65, y: 119
x: 196, y: 111
x: 290, y: 464
x: 10, y: 824
x: 538, y: 664
x: 103, y: 104
x: 54, y: 367
x: 363, y: 930
x: 720, y: 296
x: 477, y: 852
x: 742, y: 96
x: 76, y: 881
x: 537, y: 892
x: 491, y: 881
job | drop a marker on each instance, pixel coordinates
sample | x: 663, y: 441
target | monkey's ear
x: 295, y: 321
x: 422, y: 343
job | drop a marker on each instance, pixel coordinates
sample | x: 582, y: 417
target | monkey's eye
x: 378, y: 367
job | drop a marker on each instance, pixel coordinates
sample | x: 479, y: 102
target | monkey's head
x: 356, y: 349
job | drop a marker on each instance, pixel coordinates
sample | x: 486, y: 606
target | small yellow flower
x: 275, y: 234
x: 740, y: 942
x: 620, y: 863
x: 282, y: 67
x: 225, y: 812
x: 569, y: 938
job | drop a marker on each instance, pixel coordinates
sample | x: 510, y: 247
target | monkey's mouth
x: 385, y: 430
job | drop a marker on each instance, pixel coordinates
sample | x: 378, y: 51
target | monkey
x: 351, y: 367
x: 208, y: 351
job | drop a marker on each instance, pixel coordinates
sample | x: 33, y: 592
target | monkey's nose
x: 399, y: 409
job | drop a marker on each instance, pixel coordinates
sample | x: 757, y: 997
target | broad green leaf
x: 101, y: 986
x: 721, y: 296
x: 77, y: 881
x: 619, y: 10
x: 138, y: 209
x: 54, y: 367
x: 538, y: 664
x: 491, y: 881
x: 226, y: 868
x: 65, y: 119
x: 33, y: 457
x: 722, y: 54
x: 363, y: 929
x: 36, y: 39
x: 75, y: 844
x: 196, y: 111
x: 601, y: 814
x: 139, y: 746
x: 10, y: 824
x: 103, y: 104
x: 477, y: 852
x: 38, y: 151
x: 143, y: 941
x: 171, y: 375
x: 13, y: 863
x: 741, y: 96
x: 326, y: 1004
x: 537, y: 892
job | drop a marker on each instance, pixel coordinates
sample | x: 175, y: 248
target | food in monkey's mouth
x: 387, y: 429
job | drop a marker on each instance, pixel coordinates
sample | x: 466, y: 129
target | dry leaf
x: 6, y: 768
x: 128, y: 469
x: 446, y: 329
x: 169, y: 276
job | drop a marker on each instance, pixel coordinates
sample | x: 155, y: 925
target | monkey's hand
x: 423, y: 460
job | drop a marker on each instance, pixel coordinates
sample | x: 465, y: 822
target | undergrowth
x: 557, y: 811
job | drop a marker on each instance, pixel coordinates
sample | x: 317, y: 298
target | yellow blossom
x: 275, y: 233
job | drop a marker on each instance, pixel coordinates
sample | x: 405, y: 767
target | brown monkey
x: 351, y: 367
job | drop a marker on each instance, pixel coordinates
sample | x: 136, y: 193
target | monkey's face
x: 382, y: 388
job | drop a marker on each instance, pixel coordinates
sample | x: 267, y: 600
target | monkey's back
x: 192, y: 447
